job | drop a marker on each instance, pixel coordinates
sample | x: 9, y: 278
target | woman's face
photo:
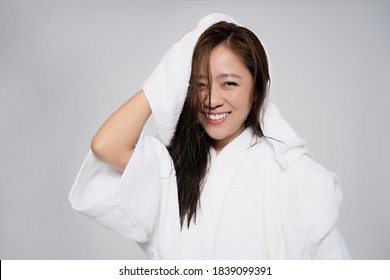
x: 231, y: 97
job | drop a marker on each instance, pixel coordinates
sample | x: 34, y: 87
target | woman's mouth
x: 216, y: 118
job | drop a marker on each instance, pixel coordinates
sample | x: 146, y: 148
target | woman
x: 215, y: 184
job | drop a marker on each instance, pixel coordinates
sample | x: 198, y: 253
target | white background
x: 66, y: 65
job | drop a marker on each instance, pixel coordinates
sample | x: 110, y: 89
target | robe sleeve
x: 126, y: 203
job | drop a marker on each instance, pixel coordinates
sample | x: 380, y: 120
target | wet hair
x: 190, y: 145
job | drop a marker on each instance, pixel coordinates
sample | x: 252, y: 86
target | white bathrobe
x: 263, y: 199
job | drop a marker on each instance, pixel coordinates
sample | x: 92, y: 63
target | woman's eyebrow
x: 220, y: 76
x: 228, y: 75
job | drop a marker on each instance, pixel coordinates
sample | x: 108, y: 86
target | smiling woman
x: 226, y: 178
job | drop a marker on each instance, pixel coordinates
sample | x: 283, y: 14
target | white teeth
x: 217, y: 117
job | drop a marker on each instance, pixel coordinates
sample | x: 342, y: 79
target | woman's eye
x: 230, y: 84
x: 201, y: 85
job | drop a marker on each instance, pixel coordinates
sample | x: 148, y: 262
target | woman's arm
x: 115, y: 141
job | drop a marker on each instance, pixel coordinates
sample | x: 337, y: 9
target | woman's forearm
x: 115, y: 141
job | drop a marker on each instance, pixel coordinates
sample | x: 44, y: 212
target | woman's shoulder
x: 306, y: 181
x: 299, y: 185
x: 298, y: 178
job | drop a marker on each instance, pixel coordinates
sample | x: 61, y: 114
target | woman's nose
x: 216, y: 97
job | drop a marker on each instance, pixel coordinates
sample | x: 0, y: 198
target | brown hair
x: 190, y: 145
